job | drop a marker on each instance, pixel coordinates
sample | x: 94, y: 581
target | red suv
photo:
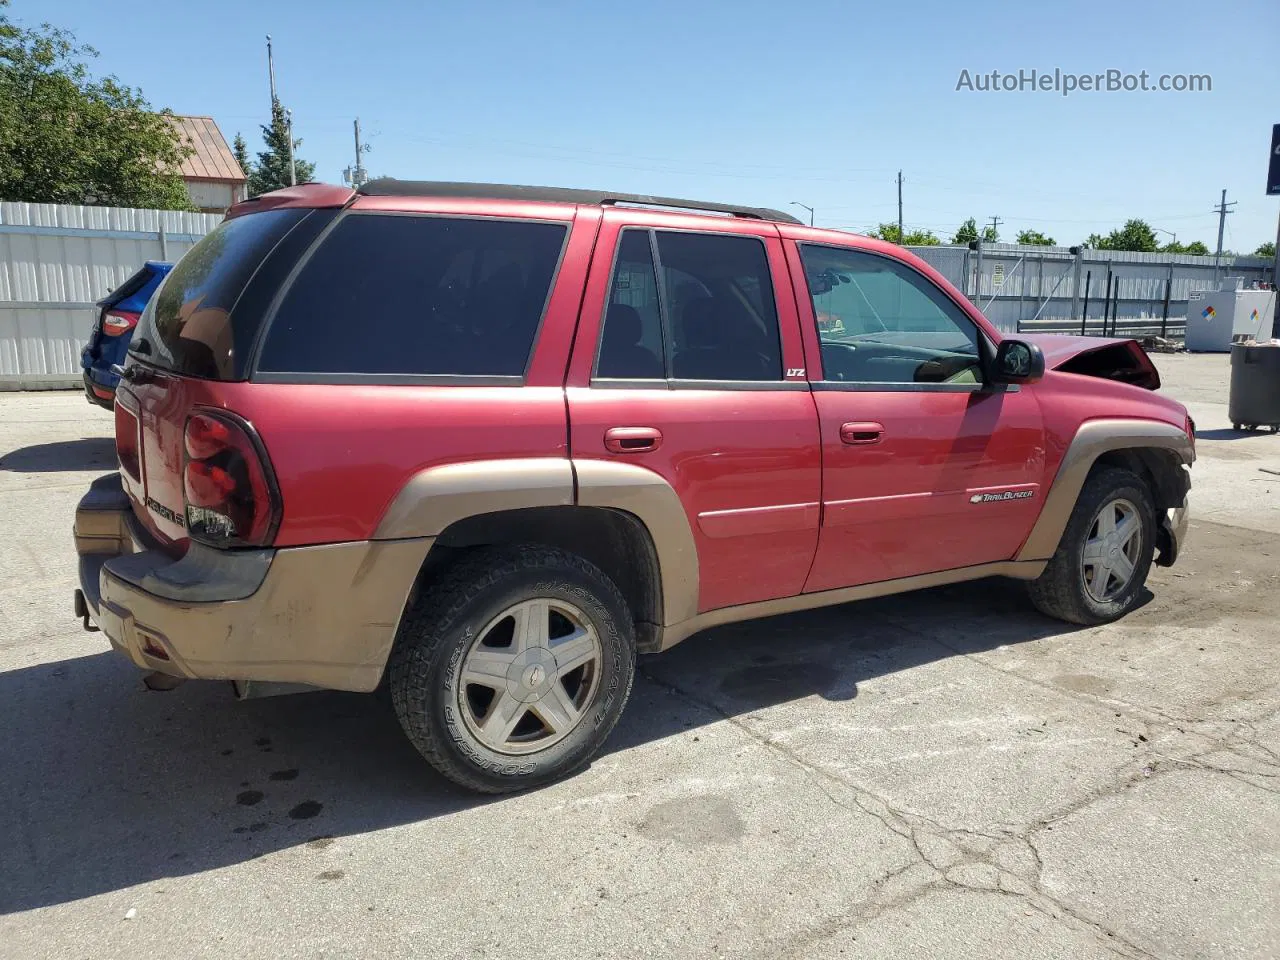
x: 489, y: 442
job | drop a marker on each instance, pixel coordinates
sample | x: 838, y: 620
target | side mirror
x: 1018, y: 362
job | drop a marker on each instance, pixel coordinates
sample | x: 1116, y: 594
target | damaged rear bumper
x: 325, y: 616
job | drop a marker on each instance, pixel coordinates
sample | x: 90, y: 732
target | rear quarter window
x: 411, y: 295
x: 191, y: 325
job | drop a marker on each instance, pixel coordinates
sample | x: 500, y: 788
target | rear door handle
x: 632, y: 439
x: 861, y: 432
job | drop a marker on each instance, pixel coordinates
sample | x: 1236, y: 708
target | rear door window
x: 704, y: 311
x: 408, y: 295
x: 631, y: 344
x: 191, y: 326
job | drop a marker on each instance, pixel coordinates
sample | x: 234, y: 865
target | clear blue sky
x: 747, y: 101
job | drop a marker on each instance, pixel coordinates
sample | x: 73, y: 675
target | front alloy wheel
x: 1111, y: 554
x: 1097, y: 573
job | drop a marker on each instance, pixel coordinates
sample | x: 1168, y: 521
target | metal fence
x: 1043, y: 288
x: 56, y: 261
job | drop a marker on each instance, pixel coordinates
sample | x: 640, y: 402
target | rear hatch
x: 118, y: 314
x: 193, y: 340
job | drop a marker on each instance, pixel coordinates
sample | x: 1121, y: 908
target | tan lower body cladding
x: 328, y: 615
x: 325, y: 616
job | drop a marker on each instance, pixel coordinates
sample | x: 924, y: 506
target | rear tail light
x: 127, y: 441
x: 231, y: 495
x: 117, y: 322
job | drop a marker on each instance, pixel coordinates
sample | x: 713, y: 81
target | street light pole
x: 797, y: 203
x: 1169, y: 232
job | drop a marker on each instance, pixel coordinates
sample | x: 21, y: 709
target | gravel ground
x: 944, y: 774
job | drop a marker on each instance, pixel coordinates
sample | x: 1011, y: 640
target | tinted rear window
x: 190, y: 326
x: 389, y: 294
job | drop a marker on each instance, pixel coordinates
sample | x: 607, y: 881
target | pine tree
x: 271, y: 172
x: 240, y: 151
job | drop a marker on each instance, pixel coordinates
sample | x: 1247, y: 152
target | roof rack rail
x: 391, y: 187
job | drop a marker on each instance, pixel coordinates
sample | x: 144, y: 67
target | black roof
x: 391, y: 187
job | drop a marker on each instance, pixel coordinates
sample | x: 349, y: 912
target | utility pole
x: 902, y: 237
x: 1222, y: 209
x: 271, y: 72
x: 288, y: 114
x: 995, y: 226
x: 357, y: 175
x: 293, y: 167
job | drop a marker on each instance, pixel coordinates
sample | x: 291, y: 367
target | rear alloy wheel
x: 529, y: 676
x: 511, y: 670
x: 1101, y: 564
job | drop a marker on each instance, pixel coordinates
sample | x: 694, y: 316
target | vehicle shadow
x: 88, y: 453
x: 1226, y: 433
x: 106, y: 786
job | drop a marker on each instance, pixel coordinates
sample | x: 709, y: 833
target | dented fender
x: 1092, y: 440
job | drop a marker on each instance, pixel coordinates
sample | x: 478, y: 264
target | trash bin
x: 1255, y: 386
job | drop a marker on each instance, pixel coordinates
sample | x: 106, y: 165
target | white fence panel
x: 1043, y: 286
x: 56, y: 261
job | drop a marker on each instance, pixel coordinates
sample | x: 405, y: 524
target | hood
x: 1107, y: 357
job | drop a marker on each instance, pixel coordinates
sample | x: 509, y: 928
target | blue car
x: 118, y: 314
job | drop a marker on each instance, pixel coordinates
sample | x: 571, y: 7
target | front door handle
x: 632, y: 439
x: 861, y: 432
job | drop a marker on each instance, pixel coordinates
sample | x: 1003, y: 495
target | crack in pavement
x: 945, y: 857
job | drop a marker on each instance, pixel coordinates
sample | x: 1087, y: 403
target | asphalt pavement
x: 943, y: 774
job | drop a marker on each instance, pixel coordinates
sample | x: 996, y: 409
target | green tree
x: 1195, y: 247
x: 1036, y: 238
x: 1267, y: 249
x: 241, y: 152
x: 913, y: 238
x: 66, y: 137
x: 271, y: 172
x: 1135, y: 235
x: 968, y: 232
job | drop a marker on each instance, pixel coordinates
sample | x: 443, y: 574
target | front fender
x: 1092, y: 440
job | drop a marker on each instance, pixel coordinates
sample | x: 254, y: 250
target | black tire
x: 1060, y: 591
x: 445, y: 623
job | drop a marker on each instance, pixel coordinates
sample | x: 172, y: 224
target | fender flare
x: 652, y: 500
x: 1092, y: 440
x: 436, y: 497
